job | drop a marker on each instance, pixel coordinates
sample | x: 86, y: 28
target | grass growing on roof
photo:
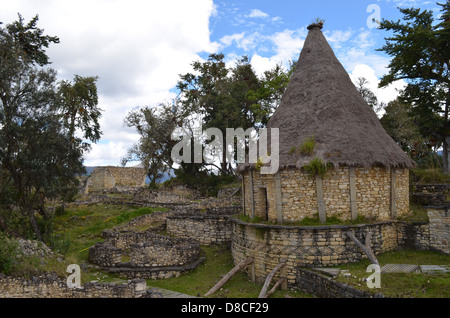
x: 308, y: 146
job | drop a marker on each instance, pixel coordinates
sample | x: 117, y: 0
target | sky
x: 138, y: 48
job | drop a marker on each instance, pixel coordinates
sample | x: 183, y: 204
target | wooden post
x: 278, y: 198
x: 365, y: 247
x: 320, y: 200
x: 243, y: 193
x: 269, y: 278
x: 393, y: 201
x: 353, y: 206
x: 274, y: 288
x: 252, y: 196
x: 230, y: 274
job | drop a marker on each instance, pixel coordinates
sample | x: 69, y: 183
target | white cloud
x: 137, y: 48
x: 261, y: 64
x: 384, y: 95
x: 256, y: 13
x: 338, y: 37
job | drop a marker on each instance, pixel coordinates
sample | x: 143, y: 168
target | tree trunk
x: 274, y: 288
x: 237, y: 268
x: 365, y: 247
x: 34, y: 225
x: 446, y: 155
x: 269, y: 278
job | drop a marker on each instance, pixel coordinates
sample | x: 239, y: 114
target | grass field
x: 79, y: 228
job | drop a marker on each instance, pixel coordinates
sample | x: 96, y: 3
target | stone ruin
x: 113, y: 177
x: 145, y: 254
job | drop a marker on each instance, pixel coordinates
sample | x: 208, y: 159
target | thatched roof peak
x: 315, y: 25
x: 322, y: 102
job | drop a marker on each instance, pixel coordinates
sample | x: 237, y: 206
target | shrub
x: 316, y: 167
x: 308, y: 146
x: 8, y: 254
x: 429, y: 176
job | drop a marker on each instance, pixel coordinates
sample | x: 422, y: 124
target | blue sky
x: 138, y: 48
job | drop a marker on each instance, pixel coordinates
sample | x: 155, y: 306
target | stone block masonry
x: 110, y: 177
x: 324, y: 286
x: 379, y: 194
x: 210, y: 228
x: 439, y: 229
x: 322, y: 246
x: 51, y: 286
x: 207, y: 230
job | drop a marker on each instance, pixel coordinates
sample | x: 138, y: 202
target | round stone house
x: 324, y: 122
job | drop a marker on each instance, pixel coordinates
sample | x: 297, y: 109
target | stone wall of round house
x: 291, y: 195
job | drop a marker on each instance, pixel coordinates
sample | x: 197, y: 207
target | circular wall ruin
x: 146, y: 255
x: 308, y: 246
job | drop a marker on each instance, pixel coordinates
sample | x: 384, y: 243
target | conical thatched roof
x: 322, y: 102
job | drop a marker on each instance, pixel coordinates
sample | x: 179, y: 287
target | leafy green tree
x: 232, y: 97
x: 79, y: 104
x: 367, y: 94
x: 399, y: 124
x: 223, y: 97
x: 420, y: 53
x: 40, y: 156
x: 155, y: 126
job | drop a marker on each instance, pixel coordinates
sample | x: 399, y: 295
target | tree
x: 399, y: 124
x: 217, y: 96
x: 79, y: 104
x: 155, y: 126
x: 421, y: 55
x: 40, y: 156
x: 369, y: 96
x: 232, y: 97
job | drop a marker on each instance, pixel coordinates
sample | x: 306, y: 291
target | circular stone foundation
x: 309, y: 246
x: 149, y: 255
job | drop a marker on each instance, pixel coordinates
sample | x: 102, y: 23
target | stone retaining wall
x: 329, y: 245
x: 439, y: 229
x: 307, y: 246
x: 164, y: 251
x: 431, y: 194
x: 323, y: 286
x: 206, y: 229
x: 51, y: 286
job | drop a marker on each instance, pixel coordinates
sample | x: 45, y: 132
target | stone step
x: 400, y: 268
x: 170, y: 293
x: 435, y: 269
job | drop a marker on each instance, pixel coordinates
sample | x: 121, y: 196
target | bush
x: 207, y: 184
x: 8, y: 254
x: 59, y: 243
x: 316, y: 167
x: 432, y: 175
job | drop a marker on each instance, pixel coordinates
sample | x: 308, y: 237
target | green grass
x: 307, y: 221
x: 81, y: 227
x: 218, y: 263
x: 417, y: 214
x: 403, y: 285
